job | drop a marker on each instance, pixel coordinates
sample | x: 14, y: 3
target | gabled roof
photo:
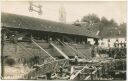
x: 25, y: 22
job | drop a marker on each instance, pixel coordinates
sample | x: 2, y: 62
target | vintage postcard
x: 63, y: 40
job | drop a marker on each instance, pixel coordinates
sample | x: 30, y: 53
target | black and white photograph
x: 63, y: 40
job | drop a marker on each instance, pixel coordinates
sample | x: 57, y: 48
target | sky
x: 74, y: 9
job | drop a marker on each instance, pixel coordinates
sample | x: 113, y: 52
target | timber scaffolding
x: 83, y: 70
x: 56, y: 58
x: 50, y: 66
x: 54, y: 65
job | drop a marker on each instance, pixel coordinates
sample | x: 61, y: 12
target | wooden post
x: 96, y: 41
x: 86, y: 40
x: 2, y: 50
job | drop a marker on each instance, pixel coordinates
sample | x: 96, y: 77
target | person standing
x: 76, y: 59
x: 92, y: 52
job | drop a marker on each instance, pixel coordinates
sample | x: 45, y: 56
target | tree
x: 112, y: 23
x: 104, y: 21
x: 108, y: 27
x: 123, y: 28
x: 122, y: 25
x: 91, y: 19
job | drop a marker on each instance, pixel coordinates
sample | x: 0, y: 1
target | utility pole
x: 35, y: 8
x: 62, y: 14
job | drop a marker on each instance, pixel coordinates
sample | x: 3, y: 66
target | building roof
x: 113, y: 33
x: 25, y: 22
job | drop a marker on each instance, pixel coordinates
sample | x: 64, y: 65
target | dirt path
x: 15, y: 72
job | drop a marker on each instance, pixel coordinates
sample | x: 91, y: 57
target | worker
x: 110, y: 52
x: 92, y: 52
x: 116, y: 43
x: 91, y: 67
x: 48, y: 75
x: 61, y: 71
x: 125, y: 43
x: 76, y: 59
x: 121, y: 44
x: 13, y: 39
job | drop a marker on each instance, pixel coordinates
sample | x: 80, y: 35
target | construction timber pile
x: 35, y: 49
